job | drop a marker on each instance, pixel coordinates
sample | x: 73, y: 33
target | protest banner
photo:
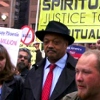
x: 10, y: 38
x: 76, y: 51
x: 27, y: 35
x: 81, y: 16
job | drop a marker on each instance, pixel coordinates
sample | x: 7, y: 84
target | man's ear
x: 66, y: 43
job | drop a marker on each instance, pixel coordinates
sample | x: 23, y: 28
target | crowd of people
x: 57, y: 76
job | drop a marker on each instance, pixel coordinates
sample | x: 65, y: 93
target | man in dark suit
x: 56, y: 38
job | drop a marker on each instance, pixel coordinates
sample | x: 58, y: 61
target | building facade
x: 15, y: 13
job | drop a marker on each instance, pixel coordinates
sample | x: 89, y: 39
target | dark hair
x: 28, y: 52
x: 8, y: 71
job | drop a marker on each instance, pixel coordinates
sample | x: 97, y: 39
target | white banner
x: 10, y: 38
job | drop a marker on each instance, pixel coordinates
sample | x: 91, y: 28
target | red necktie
x: 47, y: 84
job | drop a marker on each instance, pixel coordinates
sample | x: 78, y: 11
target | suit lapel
x: 63, y: 83
x: 36, y: 83
x: 6, y: 90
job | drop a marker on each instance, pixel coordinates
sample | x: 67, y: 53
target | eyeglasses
x: 25, y: 57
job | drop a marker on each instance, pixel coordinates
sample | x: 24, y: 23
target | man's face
x: 23, y: 57
x: 54, y: 47
x: 87, y: 77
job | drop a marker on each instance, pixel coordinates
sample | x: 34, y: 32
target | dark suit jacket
x: 65, y: 84
x: 12, y: 90
x: 24, y: 72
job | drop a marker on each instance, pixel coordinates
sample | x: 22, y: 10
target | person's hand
x: 98, y: 44
x: 36, y: 45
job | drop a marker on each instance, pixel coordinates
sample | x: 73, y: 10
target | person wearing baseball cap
x: 39, y: 84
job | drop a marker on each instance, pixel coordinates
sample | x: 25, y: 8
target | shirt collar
x: 60, y: 63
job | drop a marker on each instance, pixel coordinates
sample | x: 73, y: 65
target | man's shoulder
x: 71, y: 96
x: 35, y: 67
x: 71, y: 60
x: 18, y: 78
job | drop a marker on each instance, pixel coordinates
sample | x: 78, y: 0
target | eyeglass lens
x: 25, y: 57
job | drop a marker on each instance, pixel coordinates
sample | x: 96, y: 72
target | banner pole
x: 37, y: 15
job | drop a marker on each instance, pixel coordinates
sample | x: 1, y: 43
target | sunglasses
x: 25, y: 57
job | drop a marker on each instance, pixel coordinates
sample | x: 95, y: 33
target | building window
x: 33, y: 25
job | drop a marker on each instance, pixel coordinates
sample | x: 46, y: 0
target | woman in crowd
x: 10, y: 84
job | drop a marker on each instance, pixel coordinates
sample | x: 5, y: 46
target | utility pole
x: 11, y: 13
